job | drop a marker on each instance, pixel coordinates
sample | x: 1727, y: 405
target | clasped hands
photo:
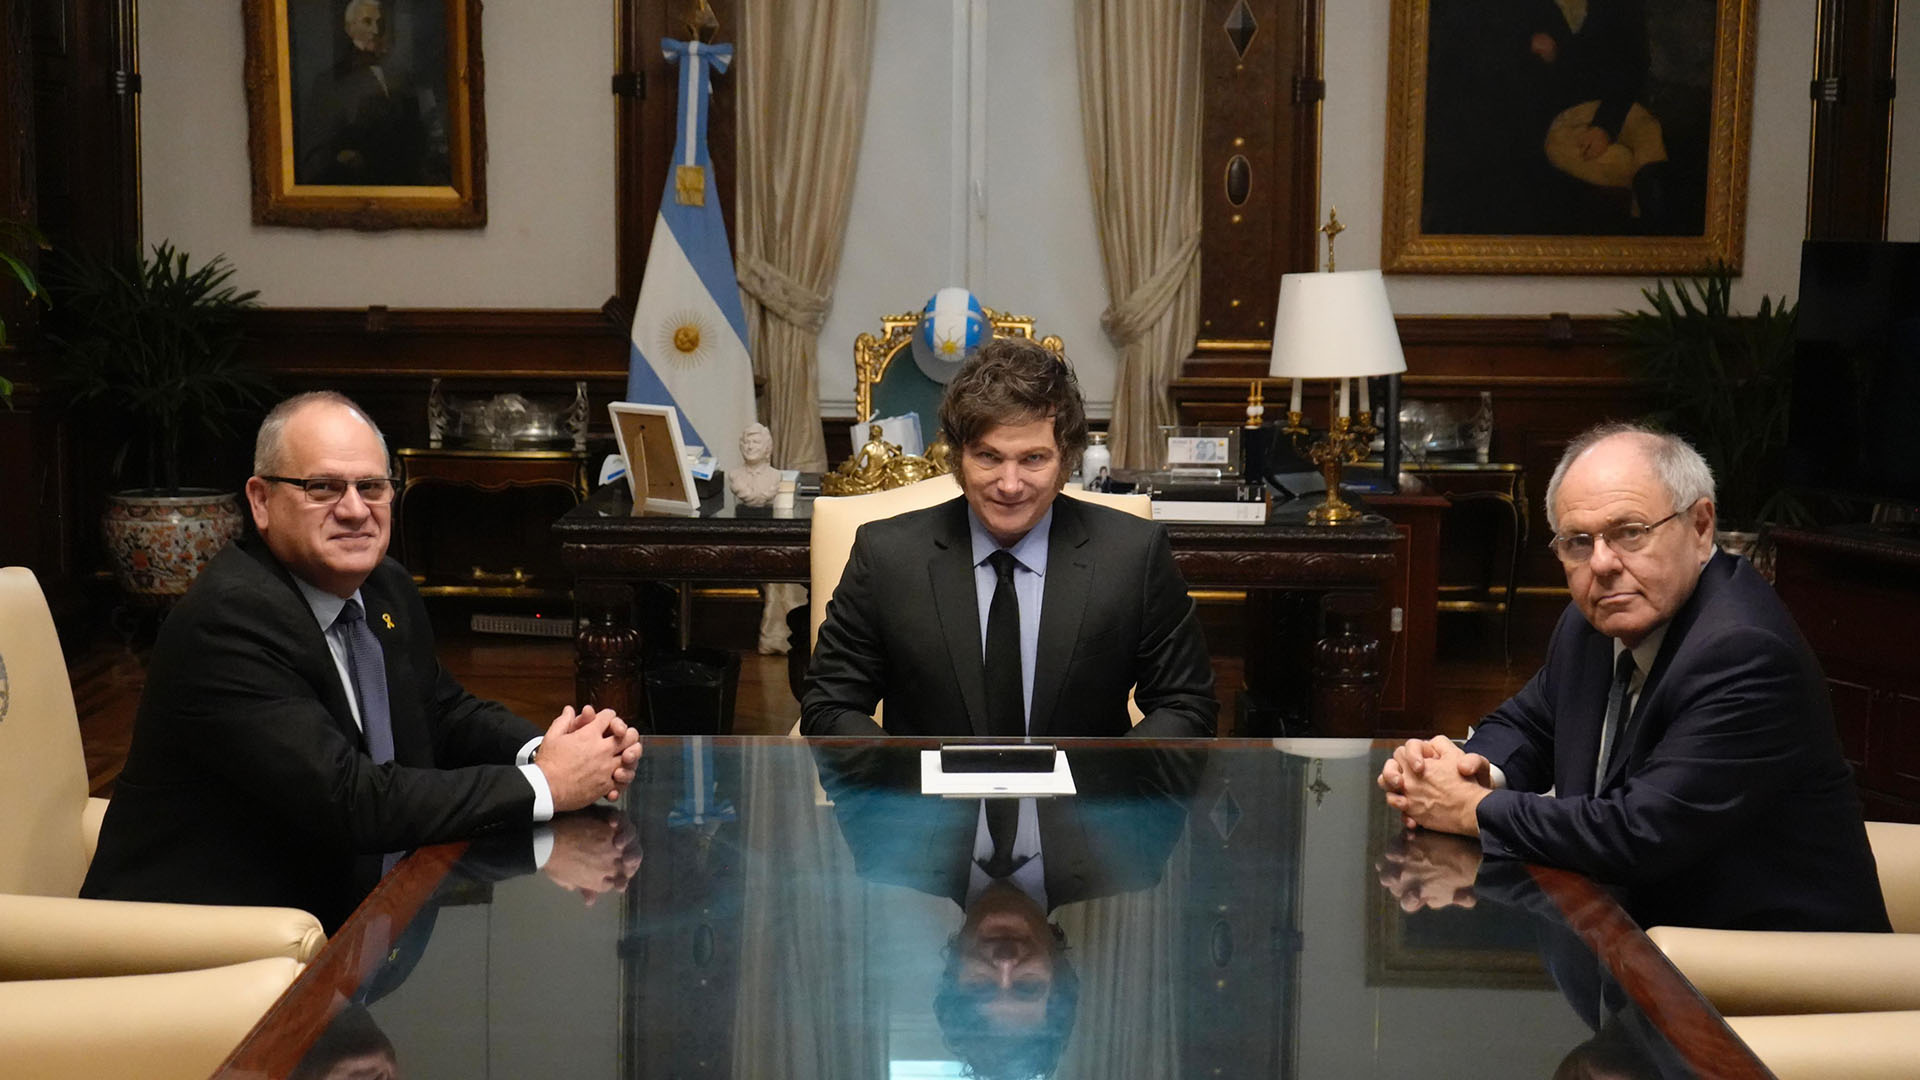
x: 586, y: 755
x: 1436, y: 785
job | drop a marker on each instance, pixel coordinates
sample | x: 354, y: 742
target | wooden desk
x: 607, y: 550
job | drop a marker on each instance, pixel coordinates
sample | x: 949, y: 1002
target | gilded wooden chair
x: 888, y: 383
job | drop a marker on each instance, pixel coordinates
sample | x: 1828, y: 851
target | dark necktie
x: 1006, y: 700
x: 368, y: 665
x: 1616, y: 715
x: 1003, y: 824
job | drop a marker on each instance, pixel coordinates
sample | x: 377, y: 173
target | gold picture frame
x: 366, y: 114
x: 1484, y: 176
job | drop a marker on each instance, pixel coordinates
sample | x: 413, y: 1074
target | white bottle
x: 1094, y: 465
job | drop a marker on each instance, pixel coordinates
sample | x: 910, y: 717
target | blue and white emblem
x: 952, y: 327
x: 6, y: 691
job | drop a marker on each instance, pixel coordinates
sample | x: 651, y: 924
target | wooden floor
x: 534, y: 677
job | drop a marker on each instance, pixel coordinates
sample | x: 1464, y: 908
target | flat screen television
x: 1853, y: 425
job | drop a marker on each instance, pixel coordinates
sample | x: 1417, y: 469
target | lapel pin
x: 388, y: 619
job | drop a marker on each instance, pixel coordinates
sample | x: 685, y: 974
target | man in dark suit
x: 1010, y: 611
x: 297, y: 729
x: 1679, y: 741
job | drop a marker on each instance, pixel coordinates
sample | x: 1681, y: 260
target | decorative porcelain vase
x: 158, y: 543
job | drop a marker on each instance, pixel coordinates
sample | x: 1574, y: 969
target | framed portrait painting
x: 1567, y: 136
x: 366, y: 114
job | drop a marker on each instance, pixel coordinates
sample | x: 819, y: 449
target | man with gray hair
x: 297, y: 732
x: 1678, y: 742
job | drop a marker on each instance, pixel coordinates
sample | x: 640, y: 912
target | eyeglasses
x: 1624, y: 538
x: 326, y: 490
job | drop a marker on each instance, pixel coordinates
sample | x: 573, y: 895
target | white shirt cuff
x: 525, y: 756
x: 1494, y: 774
x: 542, y: 794
x: 542, y: 846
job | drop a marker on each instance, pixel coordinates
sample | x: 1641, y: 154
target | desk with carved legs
x: 1288, y: 569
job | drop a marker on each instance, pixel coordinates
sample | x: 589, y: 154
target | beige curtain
x: 1129, y: 953
x: 804, y: 70
x: 805, y: 1008
x: 1140, y: 109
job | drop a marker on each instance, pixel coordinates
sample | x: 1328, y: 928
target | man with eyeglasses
x: 1678, y: 742
x: 297, y: 732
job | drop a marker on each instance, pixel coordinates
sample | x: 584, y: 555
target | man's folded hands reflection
x: 595, y: 851
x: 1430, y: 870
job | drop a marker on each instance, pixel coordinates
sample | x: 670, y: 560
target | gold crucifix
x: 1332, y: 228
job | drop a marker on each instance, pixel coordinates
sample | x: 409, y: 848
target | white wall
x: 963, y: 89
x: 1903, y: 204
x: 550, y: 205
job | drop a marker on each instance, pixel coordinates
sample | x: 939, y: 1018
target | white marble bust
x: 755, y: 483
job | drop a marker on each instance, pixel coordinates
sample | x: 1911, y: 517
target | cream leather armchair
x: 175, y: 1026
x: 835, y: 520
x: 1766, y: 973
x: 48, y: 827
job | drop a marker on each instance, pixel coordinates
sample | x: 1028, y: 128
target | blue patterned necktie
x: 368, y: 665
x: 1616, y: 715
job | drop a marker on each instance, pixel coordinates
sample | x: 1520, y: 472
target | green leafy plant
x: 1723, y: 381
x: 16, y: 237
x: 153, y: 348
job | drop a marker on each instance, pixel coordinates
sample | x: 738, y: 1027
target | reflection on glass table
x: 800, y: 910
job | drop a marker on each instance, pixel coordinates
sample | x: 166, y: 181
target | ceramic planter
x: 158, y: 543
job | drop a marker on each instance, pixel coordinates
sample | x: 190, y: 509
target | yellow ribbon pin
x: 388, y: 619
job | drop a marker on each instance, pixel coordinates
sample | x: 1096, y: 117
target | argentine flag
x: 689, y: 332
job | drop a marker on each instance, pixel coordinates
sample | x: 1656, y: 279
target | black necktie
x: 1616, y: 715
x: 1003, y: 824
x: 368, y: 666
x: 1006, y: 699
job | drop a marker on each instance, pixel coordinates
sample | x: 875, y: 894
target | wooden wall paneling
x: 87, y: 123
x: 1261, y: 109
x: 387, y: 359
x: 1852, y: 93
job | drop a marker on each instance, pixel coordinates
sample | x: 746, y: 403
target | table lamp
x: 1334, y: 325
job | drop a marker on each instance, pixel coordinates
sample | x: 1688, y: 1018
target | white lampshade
x: 1335, y: 326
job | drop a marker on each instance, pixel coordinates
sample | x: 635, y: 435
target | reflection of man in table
x: 1008, y: 993
x: 1679, y: 741
x: 1010, y: 611
x: 365, y: 121
x: 297, y: 730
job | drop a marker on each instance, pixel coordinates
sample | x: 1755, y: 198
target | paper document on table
x: 935, y: 780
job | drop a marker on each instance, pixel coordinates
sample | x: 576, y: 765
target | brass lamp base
x: 1343, y: 444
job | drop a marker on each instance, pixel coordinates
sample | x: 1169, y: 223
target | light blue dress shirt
x: 1029, y: 584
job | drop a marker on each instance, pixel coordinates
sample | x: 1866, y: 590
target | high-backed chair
x: 835, y: 520
x: 48, y: 826
x: 888, y: 383
x: 1768, y: 973
x: 174, y: 1026
x: 1834, y: 1046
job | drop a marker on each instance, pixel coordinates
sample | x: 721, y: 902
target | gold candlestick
x: 1342, y: 445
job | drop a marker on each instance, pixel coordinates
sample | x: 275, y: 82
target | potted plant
x: 1724, y: 381
x: 14, y: 236
x: 150, y: 350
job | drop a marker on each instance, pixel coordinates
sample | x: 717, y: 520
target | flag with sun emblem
x: 689, y: 331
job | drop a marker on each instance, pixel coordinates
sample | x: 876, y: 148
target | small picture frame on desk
x: 658, y: 474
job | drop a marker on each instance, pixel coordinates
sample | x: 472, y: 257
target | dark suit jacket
x: 904, y: 626
x: 1114, y: 836
x: 1728, y: 803
x: 248, y: 781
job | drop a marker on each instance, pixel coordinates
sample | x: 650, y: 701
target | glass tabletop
x: 803, y: 910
